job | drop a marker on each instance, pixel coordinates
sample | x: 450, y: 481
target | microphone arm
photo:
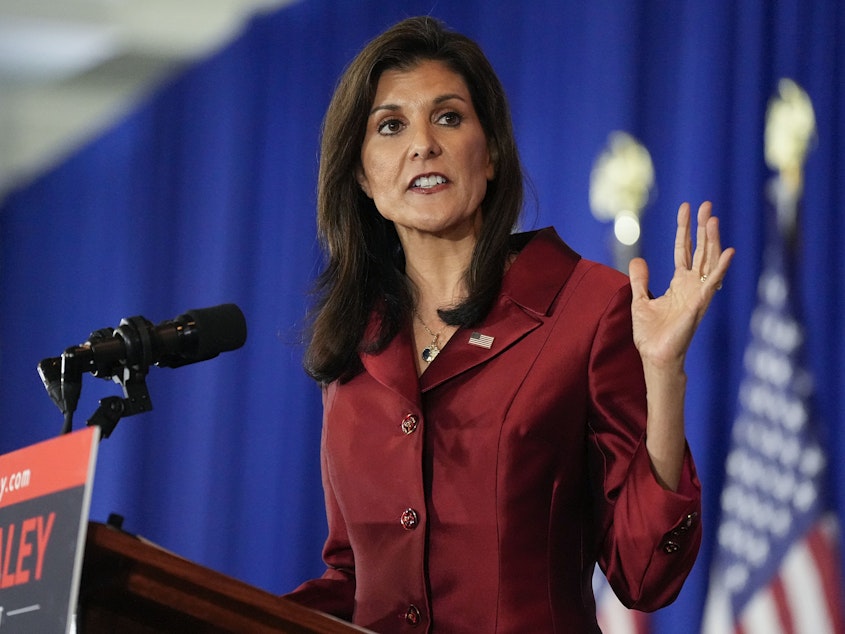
x: 131, y: 340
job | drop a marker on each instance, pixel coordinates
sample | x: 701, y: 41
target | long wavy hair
x: 364, y: 273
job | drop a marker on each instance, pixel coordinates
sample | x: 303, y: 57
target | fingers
x: 702, y: 244
x: 714, y: 261
x: 708, y: 260
x: 683, y: 239
x: 638, y: 272
x: 712, y: 281
x: 721, y: 268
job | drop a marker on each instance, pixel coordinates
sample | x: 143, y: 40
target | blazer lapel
x: 394, y: 367
x: 506, y: 324
x: 529, y: 289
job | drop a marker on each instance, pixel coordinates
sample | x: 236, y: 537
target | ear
x: 492, y: 160
x: 363, y: 183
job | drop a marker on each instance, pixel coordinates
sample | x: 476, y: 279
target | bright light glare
x: 626, y: 227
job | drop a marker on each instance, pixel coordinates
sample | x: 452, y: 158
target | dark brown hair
x: 364, y: 273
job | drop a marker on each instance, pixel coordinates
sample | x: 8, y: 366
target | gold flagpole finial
x: 621, y: 182
x: 790, y: 132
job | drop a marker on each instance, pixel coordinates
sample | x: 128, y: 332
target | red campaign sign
x: 47, y: 467
x: 45, y: 493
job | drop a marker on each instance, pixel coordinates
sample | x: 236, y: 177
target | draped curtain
x: 204, y: 193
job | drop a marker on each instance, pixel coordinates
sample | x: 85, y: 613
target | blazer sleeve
x: 648, y: 536
x: 334, y: 591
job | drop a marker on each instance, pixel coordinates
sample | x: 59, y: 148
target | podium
x: 133, y: 587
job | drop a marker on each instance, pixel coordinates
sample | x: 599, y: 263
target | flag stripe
x: 781, y: 601
x: 806, y: 595
x: 822, y: 543
x: 613, y: 617
x: 802, y: 598
x: 761, y: 615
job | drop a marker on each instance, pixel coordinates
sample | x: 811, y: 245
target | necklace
x: 432, y: 349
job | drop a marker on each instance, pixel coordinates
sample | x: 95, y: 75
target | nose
x: 424, y: 143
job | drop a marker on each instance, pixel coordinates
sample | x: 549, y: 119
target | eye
x: 450, y: 119
x: 389, y: 127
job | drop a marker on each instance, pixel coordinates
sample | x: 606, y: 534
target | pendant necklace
x: 432, y: 349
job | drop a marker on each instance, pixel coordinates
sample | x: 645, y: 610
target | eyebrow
x: 437, y: 101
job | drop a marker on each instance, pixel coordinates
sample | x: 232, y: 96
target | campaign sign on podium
x: 45, y: 495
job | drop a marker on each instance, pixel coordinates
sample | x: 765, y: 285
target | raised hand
x: 664, y: 326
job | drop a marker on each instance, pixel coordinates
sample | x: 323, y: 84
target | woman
x: 499, y: 413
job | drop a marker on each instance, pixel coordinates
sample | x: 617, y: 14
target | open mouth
x: 427, y: 182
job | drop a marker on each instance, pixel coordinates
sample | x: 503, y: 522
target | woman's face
x: 425, y: 160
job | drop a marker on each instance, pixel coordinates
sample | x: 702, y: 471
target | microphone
x: 136, y: 344
x: 198, y: 335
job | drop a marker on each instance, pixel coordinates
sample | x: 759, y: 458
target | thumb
x: 638, y: 272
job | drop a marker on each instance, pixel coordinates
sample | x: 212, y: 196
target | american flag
x: 613, y: 617
x: 776, y: 565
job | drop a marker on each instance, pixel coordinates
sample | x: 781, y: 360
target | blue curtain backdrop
x: 204, y: 194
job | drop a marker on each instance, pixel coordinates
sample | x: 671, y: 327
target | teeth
x: 429, y: 181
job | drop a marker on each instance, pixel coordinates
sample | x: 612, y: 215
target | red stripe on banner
x: 784, y: 613
x: 47, y: 467
x: 825, y: 553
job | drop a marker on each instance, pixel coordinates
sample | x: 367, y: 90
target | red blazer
x: 479, y: 497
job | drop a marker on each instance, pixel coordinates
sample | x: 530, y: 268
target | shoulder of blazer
x: 540, y: 271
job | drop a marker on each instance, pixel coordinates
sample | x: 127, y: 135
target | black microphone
x: 198, y: 335
x: 136, y: 344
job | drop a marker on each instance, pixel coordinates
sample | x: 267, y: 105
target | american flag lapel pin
x: 482, y: 341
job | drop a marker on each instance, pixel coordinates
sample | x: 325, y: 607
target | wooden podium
x: 130, y: 586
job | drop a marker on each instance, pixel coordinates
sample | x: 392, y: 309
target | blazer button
x: 670, y: 547
x: 413, y: 616
x: 687, y: 523
x: 409, y: 519
x: 409, y: 424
